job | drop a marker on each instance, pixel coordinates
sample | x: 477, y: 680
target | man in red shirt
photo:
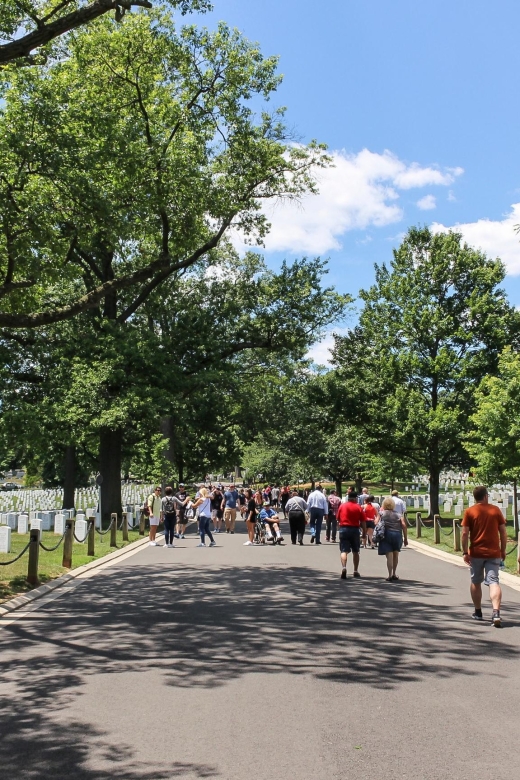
x: 350, y: 515
x: 484, y: 529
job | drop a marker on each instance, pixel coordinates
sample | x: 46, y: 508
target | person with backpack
x: 168, y: 506
x: 181, y: 512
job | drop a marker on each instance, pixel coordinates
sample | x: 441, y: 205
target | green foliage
x: 431, y: 328
x: 494, y: 441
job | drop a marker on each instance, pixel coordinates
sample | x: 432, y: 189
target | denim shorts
x: 349, y: 539
x: 392, y: 542
x: 484, y: 570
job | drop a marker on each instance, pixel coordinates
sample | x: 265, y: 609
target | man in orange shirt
x: 484, y: 528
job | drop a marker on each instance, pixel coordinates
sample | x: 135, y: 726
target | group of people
x: 354, y: 522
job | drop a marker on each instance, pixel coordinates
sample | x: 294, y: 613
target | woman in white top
x: 203, y: 504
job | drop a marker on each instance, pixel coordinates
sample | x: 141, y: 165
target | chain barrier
x: 81, y: 541
x: 444, y: 533
x: 8, y: 563
x: 104, y: 533
x: 508, y: 552
x: 51, y: 549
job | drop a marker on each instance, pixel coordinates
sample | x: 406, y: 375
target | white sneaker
x: 152, y: 544
x: 201, y: 544
x: 170, y: 545
x: 246, y: 544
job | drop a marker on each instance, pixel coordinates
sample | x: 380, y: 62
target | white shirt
x: 317, y: 500
x: 400, y: 506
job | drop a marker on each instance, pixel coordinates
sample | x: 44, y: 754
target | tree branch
x: 22, y: 47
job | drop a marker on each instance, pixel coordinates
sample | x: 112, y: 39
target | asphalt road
x: 248, y: 663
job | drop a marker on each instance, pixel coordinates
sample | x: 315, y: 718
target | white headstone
x: 59, y: 524
x: 5, y: 539
x: 23, y: 524
x: 36, y: 523
x: 80, y: 529
x: 447, y: 507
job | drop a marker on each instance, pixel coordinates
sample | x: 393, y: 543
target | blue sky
x: 418, y: 99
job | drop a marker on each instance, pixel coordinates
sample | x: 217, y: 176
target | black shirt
x: 251, y: 509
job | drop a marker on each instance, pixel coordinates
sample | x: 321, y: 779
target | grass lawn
x: 12, y: 578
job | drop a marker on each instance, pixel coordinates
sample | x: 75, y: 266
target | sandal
x: 395, y: 578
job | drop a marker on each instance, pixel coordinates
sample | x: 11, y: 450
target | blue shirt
x: 231, y: 498
x: 268, y: 513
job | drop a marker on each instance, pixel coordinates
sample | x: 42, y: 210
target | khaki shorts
x: 230, y: 514
x: 154, y: 520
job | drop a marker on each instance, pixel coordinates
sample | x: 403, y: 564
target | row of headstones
x: 46, y: 500
x: 23, y: 523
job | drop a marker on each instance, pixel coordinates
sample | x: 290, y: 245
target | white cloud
x: 427, y: 203
x: 495, y: 238
x: 320, y: 352
x: 361, y: 190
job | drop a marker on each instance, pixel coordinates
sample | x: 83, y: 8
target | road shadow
x: 213, y: 625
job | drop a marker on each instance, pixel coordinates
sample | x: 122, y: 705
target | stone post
x: 125, y: 526
x: 113, y: 530
x: 34, y: 551
x: 67, y: 543
x: 91, y: 538
x: 436, y: 529
x: 418, y: 527
x: 456, y: 536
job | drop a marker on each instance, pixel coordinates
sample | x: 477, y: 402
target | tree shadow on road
x: 214, y: 625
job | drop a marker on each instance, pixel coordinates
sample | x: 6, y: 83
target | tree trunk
x: 434, y: 491
x: 515, y: 508
x: 339, y: 486
x: 359, y: 482
x: 110, y: 446
x: 69, y: 480
x: 166, y: 430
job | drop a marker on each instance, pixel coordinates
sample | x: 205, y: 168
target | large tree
x: 128, y: 159
x: 432, y: 326
x: 494, y: 441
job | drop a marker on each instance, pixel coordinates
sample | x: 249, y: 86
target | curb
x: 505, y: 578
x: 48, y: 587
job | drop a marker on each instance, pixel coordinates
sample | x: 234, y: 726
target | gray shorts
x: 484, y: 570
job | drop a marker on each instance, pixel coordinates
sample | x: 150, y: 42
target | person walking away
x: 284, y: 498
x: 250, y: 517
x: 396, y: 533
x: 349, y: 518
x: 400, y: 506
x: 168, y: 506
x: 181, y: 512
x: 275, y: 494
x: 318, y: 508
x: 371, y: 515
x: 216, y: 507
x: 332, y: 523
x: 242, y: 504
x: 155, y: 509
x: 203, y: 504
x: 296, y: 508
x: 362, y: 497
x: 229, y: 507
x: 484, y: 541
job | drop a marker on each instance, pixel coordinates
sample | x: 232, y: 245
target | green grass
x: 13, y: 578
x: 447, y: 541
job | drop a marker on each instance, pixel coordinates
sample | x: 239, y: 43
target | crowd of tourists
x: 355, y: 522
x: 352, y: 521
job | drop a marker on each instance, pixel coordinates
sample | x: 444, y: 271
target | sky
x: 417, y: 101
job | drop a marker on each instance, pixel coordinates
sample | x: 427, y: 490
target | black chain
x: 103, y: 533
x: 8, y: 563
x: 51, y: 549
x: 80, y: 541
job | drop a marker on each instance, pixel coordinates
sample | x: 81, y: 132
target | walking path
x: 178, y: 663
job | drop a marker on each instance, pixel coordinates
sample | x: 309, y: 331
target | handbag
x: 379, y: 532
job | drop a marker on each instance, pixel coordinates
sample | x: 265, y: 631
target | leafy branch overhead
x: 129, y: 160
x: 26, y: 27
